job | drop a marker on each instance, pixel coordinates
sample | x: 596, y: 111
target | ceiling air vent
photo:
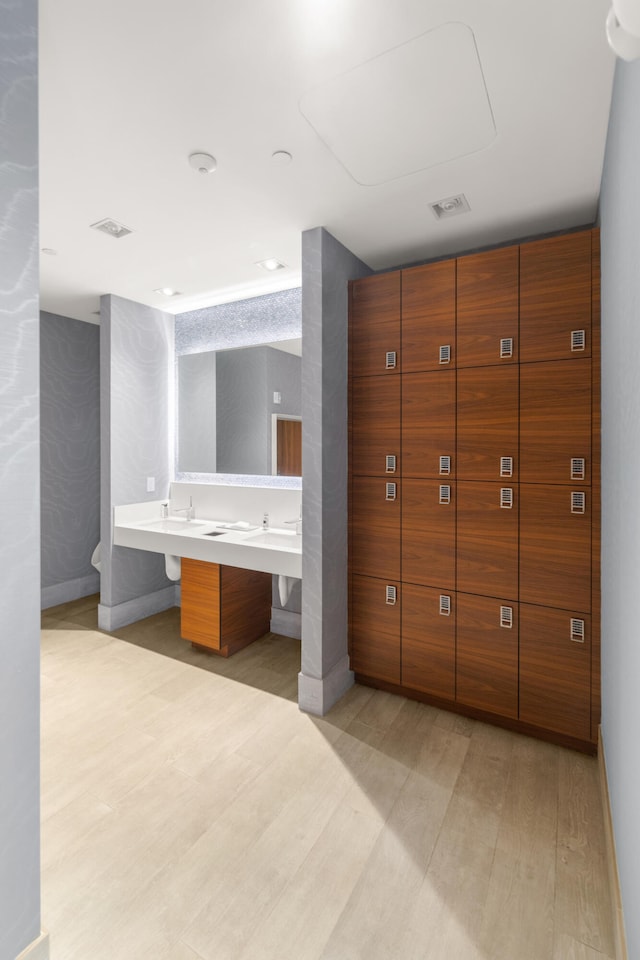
x: 112, y: 228
x: 450, y: 207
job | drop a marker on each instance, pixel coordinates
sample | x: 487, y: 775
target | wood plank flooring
x: 191, y: 812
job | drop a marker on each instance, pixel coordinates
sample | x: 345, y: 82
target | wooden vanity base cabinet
x: 223, y: 608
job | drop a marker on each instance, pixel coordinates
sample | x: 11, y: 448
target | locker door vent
x: 506, y: 498
x: 445, y: 465
x: 577, y: 468
x: 445, y: 606
x: 578, y: 339
x: 577, y: 630
x: 391, y: 491
x: 445, y: 494
x: 506, y: 466
x: 392, y: 595
x: 392, y: 360
x: 578, y: 502
x: 445, y: 353
x: 506, y: 617
x: 391, y: 463
x: 506, y: 348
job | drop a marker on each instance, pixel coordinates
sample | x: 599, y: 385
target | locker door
x: 487, y: 539
x: 487, y: 428
x: 429, y: 640
x: 487, y: 308
x: 374, y: 548
x: 555, y: 298
x: 375, y: 426
x: 429, y: 533
x: 374, y: 325
x: 375, y: 628
x: 555, y: 670
x: 487, y: 654
x: 429, y: 424
x: 429, y: 317
x: 555, y: 546
x: 555, y: 422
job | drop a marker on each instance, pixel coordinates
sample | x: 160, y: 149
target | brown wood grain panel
x: 245, y: 607
x: 487, y: 307
x: 555, y: 547
x: 428, y: 316
x: 289, y: 447
x: 375, y: 528
x: 555, y: 671
x: 595, y: 486
x: 555, y: 420
x: 555, y: 296
x: 200, y: 603
x: 375, y: 629
x: 428, y: 641
x: 487, y: 540
x: 375, y: 424
x: 487, y: 422
x: 374, y: 324
x: 486, y: 655
x: 428, y: 534
x: 428, y: 422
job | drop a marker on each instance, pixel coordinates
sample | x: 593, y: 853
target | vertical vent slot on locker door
x: 506, y: 498
x: 445, y: 465
x: 577, y: 630
x: 506, y: 617
x: 392, y: 360
x: 445, y: 494
x: 577, y: 468
x: 392, y: 595
x: 578, y: 339
x: 506, y: 348
x: 506, y: 466
x: 578, y: 502
x: 445, y: 606
x: 391, y: 463
x: 391, y: 491
x: 445, y: 353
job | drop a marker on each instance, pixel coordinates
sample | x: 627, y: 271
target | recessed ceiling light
x: 111, y: 227
x: 202, y: 162
x: 271, y: 264
x: 450, y: 207
x: 50, y: 252
x: 167, y: 292
x: 281, y: 157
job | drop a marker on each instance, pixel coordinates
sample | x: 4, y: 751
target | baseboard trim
x: 38, y: 950
x: 620, y: 940
x: 286, y: 622
x: 317, y: 695
x: 122, y: 614
x: 70, y: 590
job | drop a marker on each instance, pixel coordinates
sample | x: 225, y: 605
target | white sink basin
x: 172, y: 524
x: 276, y: 538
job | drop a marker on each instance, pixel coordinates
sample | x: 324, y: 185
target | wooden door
x: 375, y: 527
x: 429, y: 317
x: 375, y: 628
x: 487, y: 425
x: 555, y: 546
x: 429, y: 533
x: 555, y: 298
x: 375, y: 426
x: 487, y: 539
x: 487, y: 654
x: 289, y: 447
x: 374, y: 325
x: 555, y: 670
x: 487, y: 308
x: 555, y: 422
x: 429, y: 641
x: 429, y: 424
x: 200, y: 603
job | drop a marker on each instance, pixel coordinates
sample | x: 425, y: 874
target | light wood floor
x: 191, y: 812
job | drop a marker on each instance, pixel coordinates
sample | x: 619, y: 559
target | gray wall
x: 620, y: 237
x: 327, y: 267
x: 19, y: 482
x: 242, y: 430
x: 197, y: 413
x: 69, y: 456
x: 136, y: 412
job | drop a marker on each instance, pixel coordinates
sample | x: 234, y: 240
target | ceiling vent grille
x: 450, y: 207
x: 112, y: 228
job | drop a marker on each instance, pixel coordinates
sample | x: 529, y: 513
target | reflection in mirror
x: 230, y: 402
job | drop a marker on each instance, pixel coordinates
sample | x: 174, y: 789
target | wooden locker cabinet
x: 429, y: 317
x: 429, y: 640
x: 487, y: 654
x: 374, y: 325
x: 429, y: 424
x: 375, y: 425
x: 487, y: 423
x: 428, y: 541
x: 487, y: 539
x: 375, y: 527
x: 375, y: 628
x: 487, y: 308
x: 223, y: 608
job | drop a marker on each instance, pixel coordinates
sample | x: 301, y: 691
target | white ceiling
x: 130, y: 88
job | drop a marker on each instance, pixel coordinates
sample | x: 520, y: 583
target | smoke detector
x: 111, y: 227
x: 450, y: 207
x: 202, y: 162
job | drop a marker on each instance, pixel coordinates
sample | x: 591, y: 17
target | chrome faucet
x: 298, y: 523
x: 189, y: 511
